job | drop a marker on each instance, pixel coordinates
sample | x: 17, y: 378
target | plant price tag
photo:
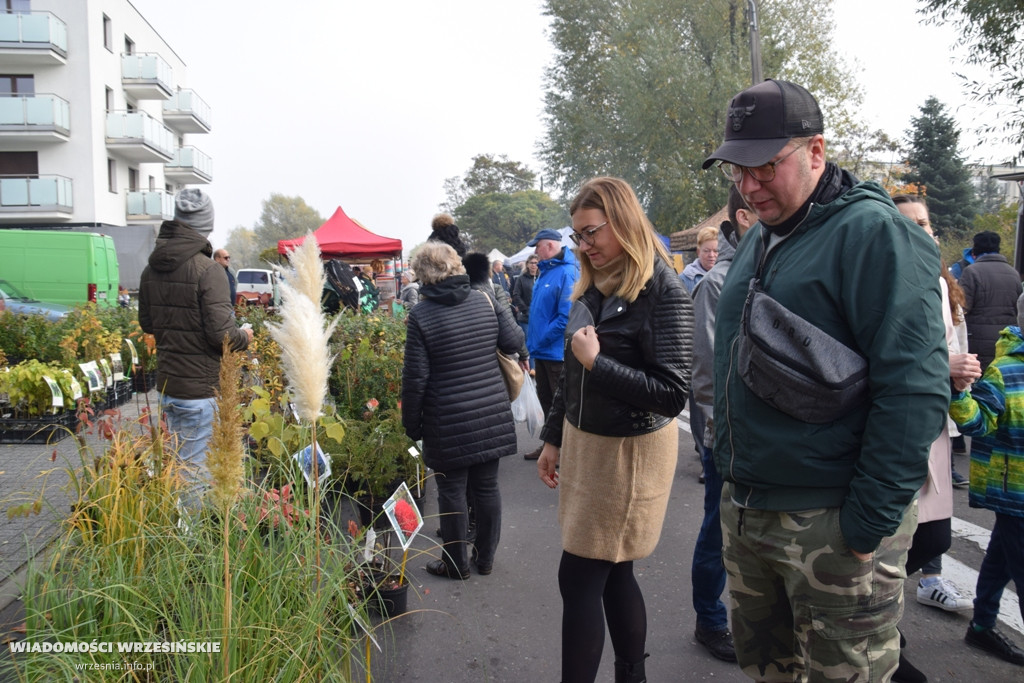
x: 92, y: 374
x: 107, y: 372
x: 131, y: 348
x: 76, y: 388
x: 56, y: 394
x: 115, y: 363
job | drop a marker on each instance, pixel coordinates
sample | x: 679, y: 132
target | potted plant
x: 374, y: 459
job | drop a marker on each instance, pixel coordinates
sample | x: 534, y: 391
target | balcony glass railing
x: 153, y: 203
x: 146, y: 66
x: 35, y: 110
x: 188, y: 102
x: 43, y: 191
x: 190, y: 158
x: 33, y: 29
x: 139, y: 126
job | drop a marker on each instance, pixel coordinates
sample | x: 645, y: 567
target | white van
x: 255, y: 286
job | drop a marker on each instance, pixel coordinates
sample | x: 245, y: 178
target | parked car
x: 13, y: 301
x: 257, y: 287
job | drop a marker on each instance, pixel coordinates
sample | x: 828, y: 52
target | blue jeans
x: 191, y: 420
x: 707, y: 573
x: 1004, y: 560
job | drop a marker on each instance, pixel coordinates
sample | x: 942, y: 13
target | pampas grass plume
x: 224, y: 459
x: 307, y: 271
x: 303, y: 334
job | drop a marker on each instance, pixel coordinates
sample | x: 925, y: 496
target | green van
x: 60, y: 266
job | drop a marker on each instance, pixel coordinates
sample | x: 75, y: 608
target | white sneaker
x: 943, y: 595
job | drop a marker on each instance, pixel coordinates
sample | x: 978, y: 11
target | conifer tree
x: 935, y: 163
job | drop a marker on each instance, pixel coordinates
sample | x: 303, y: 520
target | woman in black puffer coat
x: 454, y: 399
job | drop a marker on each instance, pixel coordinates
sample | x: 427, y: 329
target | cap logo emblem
x: 738, y: 114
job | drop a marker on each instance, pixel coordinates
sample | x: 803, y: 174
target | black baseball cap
x: 762, y: 119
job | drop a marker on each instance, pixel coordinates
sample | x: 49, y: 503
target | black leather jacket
x: 641, y: 376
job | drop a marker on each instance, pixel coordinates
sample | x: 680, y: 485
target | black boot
x: 907, y: 672
x: 630, y: 673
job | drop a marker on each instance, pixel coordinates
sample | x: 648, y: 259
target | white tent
x: 495, y: 255
x: 525, y: 252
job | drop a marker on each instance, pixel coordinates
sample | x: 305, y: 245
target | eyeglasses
x: 586, y: 235
x: 764, y: 173
x: 226, y: 258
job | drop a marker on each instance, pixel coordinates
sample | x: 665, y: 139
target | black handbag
x: 792, y: 365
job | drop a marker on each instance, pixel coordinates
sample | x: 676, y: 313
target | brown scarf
x: 608, y: 277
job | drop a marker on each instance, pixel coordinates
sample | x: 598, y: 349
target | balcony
x: 34, y: 118
x: 146, y: 76
x: 186, y: 112
x: 137, y: 136
x: 47, y: 197
x: 148, y: 206
x: 190, y: 166
x: 30, y: 39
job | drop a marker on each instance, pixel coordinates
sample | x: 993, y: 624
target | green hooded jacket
x: 861, y: 272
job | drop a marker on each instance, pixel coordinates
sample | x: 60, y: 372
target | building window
x: 129, y: 46
x: 133, y: 180
x: 108, y: 34
x: 152, y: 183
x: 108, y: 97
x: 111, y: 175
x: 18, y: 6
x: 17, y: 84
x: 21, y: 164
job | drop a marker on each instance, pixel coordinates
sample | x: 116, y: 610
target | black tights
x: 930, y: 540
x: 593, y: 591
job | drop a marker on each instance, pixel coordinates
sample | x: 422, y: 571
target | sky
x: 371, y: 106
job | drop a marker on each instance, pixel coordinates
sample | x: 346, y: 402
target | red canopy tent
x: 342, y: 237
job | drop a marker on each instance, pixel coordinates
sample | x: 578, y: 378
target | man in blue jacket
x: 819, y: 504
x: 549, y: 313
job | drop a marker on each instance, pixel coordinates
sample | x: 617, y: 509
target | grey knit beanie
x: 193, y: 207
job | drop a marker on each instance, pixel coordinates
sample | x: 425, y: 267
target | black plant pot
x: 387, y: 600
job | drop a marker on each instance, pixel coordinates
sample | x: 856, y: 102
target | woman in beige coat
x: 611, y: 428
x: 935, y: 500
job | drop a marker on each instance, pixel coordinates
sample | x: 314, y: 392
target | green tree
x: 507, y: 221
x: 993, y: 33
x: 487, y: 174
x: 934, y: 162
x: 639, y: 88
x: 284, y: 218
x: 241, y: 244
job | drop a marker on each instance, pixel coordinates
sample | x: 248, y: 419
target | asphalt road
x: 505, y: 627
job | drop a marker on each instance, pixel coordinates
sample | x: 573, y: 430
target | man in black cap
x: 818, y: 509
x: 184, y: 302
x: 558, y: 271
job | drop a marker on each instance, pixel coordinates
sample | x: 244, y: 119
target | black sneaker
x: 718, y: 643
x: 993, y: 640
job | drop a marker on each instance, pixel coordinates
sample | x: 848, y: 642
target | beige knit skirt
x: 613, y: 491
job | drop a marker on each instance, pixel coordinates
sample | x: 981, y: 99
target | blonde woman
x: 707, y: 254
x: 611, y: 428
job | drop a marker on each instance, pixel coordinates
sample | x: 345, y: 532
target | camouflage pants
x: 803, y: 607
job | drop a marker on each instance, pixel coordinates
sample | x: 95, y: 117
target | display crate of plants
x: 40, y: 429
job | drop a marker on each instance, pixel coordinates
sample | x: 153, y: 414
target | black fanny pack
x: 793, y: 365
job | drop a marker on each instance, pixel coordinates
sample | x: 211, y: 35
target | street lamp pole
x: 755, y: 43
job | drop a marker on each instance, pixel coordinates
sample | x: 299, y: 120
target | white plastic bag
x: 527, y: 408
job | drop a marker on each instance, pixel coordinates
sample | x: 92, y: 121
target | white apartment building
x: 96, y: 123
